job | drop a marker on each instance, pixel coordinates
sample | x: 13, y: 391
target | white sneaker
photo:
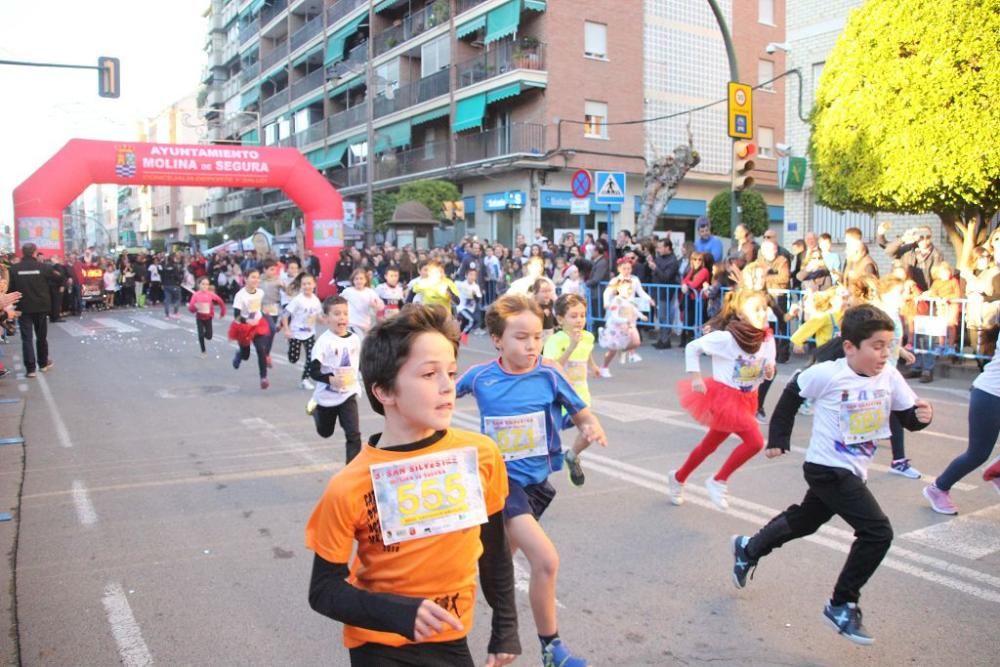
x: 636, y: 358
x: 307, y: 384
x: 605, y: 373
x: 675, y: 489
x: 903, y: 467
x: 717, y: 493
x: 806, y: 408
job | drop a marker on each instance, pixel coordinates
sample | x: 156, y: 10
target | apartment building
x: 507, y: 98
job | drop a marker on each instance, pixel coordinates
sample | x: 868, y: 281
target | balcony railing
x: 249, y: 30
x: 340, y: 9
x: 271, y: 11
x: 507, y: 56
x: 466, y: 5
x: 250, y: 72
x: 428, y: 157
x: 516, y: 138
x: 413, y: 93
x: 308, y: 83
x: 312, y: 28
x: 352, y: 64
x: 348, y: 118
x: 274, y: 56
x: 313, y: 133
x: 413, y: 24
x: 274, y: 102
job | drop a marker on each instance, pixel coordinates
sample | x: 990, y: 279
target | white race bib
x: 204, y: 307
x: 864, y: 420
x: 429, y: 495
x: 747, y: 373
x: 344, y: 378
x: 271, y: 309
x: 518, y: 437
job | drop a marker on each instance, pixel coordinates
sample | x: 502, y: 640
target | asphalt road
x: 165, y: 499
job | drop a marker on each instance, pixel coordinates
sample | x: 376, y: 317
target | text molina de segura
x: 183, y: 158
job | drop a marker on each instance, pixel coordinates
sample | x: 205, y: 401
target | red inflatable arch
x: 40, y: 200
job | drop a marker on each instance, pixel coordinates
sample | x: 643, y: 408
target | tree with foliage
x: 906, y: 114
x: 753, y: 213
x: 431, y: 194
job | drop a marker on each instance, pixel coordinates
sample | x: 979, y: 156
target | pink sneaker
x: 940, y: 500
x: 264, y: 383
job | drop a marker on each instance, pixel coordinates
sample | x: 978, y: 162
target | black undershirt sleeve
x: 779, y: 432
x: 496, y: 576
x: 908, y: 418
x: 316, y: 372
x: 239, y: 318
x: 332, y: 596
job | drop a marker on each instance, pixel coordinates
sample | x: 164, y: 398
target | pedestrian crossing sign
x: 610, y: 187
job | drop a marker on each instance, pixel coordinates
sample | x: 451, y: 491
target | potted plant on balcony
x: 526, y: 53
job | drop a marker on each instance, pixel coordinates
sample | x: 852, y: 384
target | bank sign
x: 500, y: 201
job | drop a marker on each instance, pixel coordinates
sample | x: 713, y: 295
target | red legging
x: 752, y: 443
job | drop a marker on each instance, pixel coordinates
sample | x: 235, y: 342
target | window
x: 301, y: 120
x: 765, y: 142
x: 595, y: 40
x: 284, y: 127
x: 435, y: 56
x: 765, y: 72
x: 430, y: 136
x: 595, y: 120
x: 270, y: 134
x: 387, y: 78
x: 765, y: 11
x: 358, y: 154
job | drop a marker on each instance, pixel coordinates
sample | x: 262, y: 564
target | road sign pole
x: 583, y: 222
x: 611, y: 245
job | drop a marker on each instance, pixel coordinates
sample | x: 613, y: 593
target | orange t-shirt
x: 441, y: 567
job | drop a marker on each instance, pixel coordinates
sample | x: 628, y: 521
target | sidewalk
x: 11, y: 475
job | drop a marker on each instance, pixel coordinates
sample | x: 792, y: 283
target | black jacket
x: 32, y: 279
x: 667, y: 270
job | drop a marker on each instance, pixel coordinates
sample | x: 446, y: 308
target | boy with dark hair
x: 853, y: 398
x: 423, y: 504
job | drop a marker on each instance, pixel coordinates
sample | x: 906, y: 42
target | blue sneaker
x: 846, y: 619
x: 557, y: 655
x: 743, y: 565
x: 236, y: 360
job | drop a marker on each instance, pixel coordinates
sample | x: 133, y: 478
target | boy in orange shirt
x: 424, y: 504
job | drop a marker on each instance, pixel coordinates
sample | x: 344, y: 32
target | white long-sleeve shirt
x: 731, y: 365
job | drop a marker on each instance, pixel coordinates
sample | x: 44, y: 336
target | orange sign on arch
x: 40, y: 200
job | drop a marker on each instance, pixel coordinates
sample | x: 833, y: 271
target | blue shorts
x: 532, y: 499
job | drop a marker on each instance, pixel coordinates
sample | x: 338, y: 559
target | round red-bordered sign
x: 581, y: 184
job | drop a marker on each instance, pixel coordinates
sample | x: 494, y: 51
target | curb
x: 11, y: 480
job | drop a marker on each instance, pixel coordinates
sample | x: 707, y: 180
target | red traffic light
x: 745, y: 149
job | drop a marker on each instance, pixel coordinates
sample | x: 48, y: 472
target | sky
x: 159, y: 42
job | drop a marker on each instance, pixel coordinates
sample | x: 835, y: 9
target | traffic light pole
x: 734, y: 75
x: 101, y: 67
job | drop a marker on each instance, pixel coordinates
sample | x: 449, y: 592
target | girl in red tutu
x: 742, y: 350
x: 249, y: 326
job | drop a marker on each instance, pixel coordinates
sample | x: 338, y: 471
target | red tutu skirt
x: 244, y: 332
x: 721, y: 407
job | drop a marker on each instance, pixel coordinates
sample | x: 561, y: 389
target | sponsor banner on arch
x: 236, y: 165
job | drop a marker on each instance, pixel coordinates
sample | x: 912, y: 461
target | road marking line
x: 131, y: 646
x: 84, y: 508
x: 61, y: 431
x: 938, y: 434
x: 284, y: 440
x: 628, y: 412
x: 112, y: 323
x: 151, y: 321
x: 973, y: 535
x: 75, y: 329
x: 22, y: 387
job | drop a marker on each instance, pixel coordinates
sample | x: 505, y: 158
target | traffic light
x: 453, y: 210
x: 745, y: 150
x: 108, y: 77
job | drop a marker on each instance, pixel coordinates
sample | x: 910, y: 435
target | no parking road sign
x: 610, y: 187
x: 581, y: 184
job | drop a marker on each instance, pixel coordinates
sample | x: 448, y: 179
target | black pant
x: 260, y: 345
x: 841, y: 492
x: 204, y: 331
x: 294, y: 351
x: 56, y: 299
x: 347, y: 412
x: 432, y: 654
x: 34, y: 336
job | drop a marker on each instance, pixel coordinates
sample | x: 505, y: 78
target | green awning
x: 251, y: 138
x: 353, y: 83
x: 428, y: 116
x: 337, y: 41
x: 329, y: 157
x: 250, y: 97
x: 316, y: 157
x: 470, y: 27
x: 384, y: 5
x: 535, y: 5
x: 256, y: 5
x: 302, y: 105
x: 503, y: 20
x: 510, y: 90
x: 392, y: 136
x: 469, y: 112
x: 533, y: 84
x: 357, y: 139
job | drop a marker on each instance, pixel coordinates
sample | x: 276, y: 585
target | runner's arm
x: 332, y: 596
x: 779, y: 432
x: 316, y: 372
x: 496, y: 576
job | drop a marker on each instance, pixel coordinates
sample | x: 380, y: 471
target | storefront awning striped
x: 535, y: 5
x: 503, y: 21
x: 469, y: 112
x: 470, y: 27
x: 338, y: 40
x: 392, y: 136
x: 428, y: 116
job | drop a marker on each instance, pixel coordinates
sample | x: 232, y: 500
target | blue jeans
x: 171, y: 296
x: 984, y: 427
x: 665, y: 311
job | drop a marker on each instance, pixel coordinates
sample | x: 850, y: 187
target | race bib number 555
x: 519, y: 436
x: 428, y: 495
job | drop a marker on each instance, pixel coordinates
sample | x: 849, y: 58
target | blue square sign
x: 609, y: 187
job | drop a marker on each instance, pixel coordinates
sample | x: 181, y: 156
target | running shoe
x: 463, y: 339
x: 636, y: 357
x: 311, y: 407
x: 806, y: 409
x: 575, y: 469
x: 761, y: 417
x: 675, y: 488
x: 49, y: 366
x: 267, y: 360
x: 743, y: 565
x: 555, y: 654
x: 30, y: 374
x: 264, y: 383
x: 237, y: 358
x: 4, y: 372
x: 992, y: 471
x: 940, y: 501
x: 903, y: 467
x: 717, y: 493
x: 846, y: 619
x: 307, y: 384
x: 605, y: 372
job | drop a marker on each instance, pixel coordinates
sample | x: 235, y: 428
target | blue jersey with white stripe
x: 500, y: 395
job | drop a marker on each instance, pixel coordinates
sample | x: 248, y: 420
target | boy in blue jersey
x: 520, y: 402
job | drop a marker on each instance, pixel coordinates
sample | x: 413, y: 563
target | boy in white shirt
x: 852, y: 398
x: 469, y: 297
x: 390, y: 292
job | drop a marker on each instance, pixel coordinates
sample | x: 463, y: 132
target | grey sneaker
x: 575, y: 469
x: 846, y: 619
x: 743, y: 565
x: 902, y: 467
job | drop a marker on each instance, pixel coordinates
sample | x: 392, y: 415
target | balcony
x: 215, y: 95
x: 466, y: 5
x: 249, y: 30
x: 275, y: 102
x: 271, y: 11
x: 307, y: 84
x: 346, y: 119
x: 414, y: 24
x: 275, y: 56
x: 513, y: 139
x: 344, y: 178
x: 413, y: 93
x: 313, y: 133
x: 306, y: 32
x: 428, y: 157
x: 506, y: 57
x: 340, y: 9
x: 353, y: 64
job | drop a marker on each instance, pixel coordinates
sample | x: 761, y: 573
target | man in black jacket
x: 57, y: 288
x: 665, y: 271
x: 32, y: 279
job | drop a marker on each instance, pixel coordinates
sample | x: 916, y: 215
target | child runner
x: 287, y: 281
x: 853, y: 398
x: 544, y: 294
x: 620, y: 333
x: 572, y: 348
x: 432, y: 288
x: 299, y: 323
x: 363, y: 302
x: 390, y: 292
x: 270, y: 285
x: 742, y: 350
x: 202, y: 303
x: 469, y: 298
x: 334, y: 366
x: 520, y: 401
x: 408, y: 597
x: 249, y: 326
